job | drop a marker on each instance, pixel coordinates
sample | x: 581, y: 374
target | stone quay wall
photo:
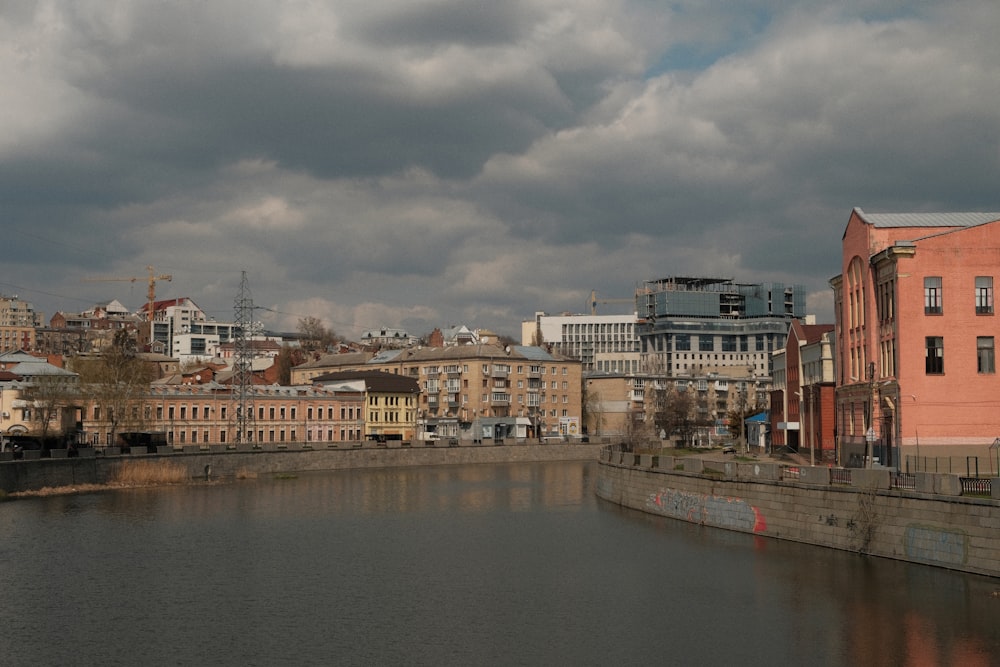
x: 919, y: 518
x: 218, y: 461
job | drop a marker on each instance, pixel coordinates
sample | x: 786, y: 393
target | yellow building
x: 390, y: 401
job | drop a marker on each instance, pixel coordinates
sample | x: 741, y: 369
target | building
x: 37, y: 398
x: 602, y: 343
x: 479, y: 391
x: 802, y: 397
x: 89, y: 331
x: 697, y: 326
x: 200, y: 415
x: 490, y: 392
x: 390, y: 401
x: 306, y: 372
x: 386, y: 337
x: 916, y: 336
x: 18, y: 322
x: 185, y: 332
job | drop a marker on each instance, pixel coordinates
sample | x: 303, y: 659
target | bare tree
x: 676, y: 414
x: 316, y: 337
x: 592, y: 408
x: 116, y: 385
x: 52, y: 398
x: 288, y: 357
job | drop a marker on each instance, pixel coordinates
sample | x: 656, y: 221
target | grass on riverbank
x: 147, y: 473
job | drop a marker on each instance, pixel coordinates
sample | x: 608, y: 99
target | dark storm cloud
x: 445, y: 162
x: 445, y: 23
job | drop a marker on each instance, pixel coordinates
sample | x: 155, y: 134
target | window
x: 934, y: 361
x: 985, y: 357
x: 932, y: 296
x: 682, y: 342
x: 706, y: 343
x: 984, y: 295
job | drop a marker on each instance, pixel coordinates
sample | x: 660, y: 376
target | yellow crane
x: 150, y: 294
x: 594, y: 301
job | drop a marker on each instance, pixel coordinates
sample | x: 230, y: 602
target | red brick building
x: 802, y: 402
x: 916, y: 330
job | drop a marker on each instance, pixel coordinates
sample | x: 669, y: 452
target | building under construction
x: 696, y: 325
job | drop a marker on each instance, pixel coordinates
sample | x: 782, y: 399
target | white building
x: 603, y: 343
x: 185, y: 331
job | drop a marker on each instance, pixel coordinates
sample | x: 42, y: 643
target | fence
x: 976, y: 486
x: 952, y: 465
x: 840, y: 476
x: 904, y: 480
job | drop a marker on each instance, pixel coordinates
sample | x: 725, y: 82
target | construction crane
x: 150, y: 294
x: 594, y: 301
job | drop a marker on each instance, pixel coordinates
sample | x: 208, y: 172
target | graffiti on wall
x: 710, y: 510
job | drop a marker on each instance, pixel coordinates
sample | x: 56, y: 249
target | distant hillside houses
x: 386, y: 337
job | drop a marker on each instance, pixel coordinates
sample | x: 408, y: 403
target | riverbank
x: 18, y: 478
x: 920, y: 517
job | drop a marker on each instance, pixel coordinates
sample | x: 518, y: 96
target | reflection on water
x: 487, y: 564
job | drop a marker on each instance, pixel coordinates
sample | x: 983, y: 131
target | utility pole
x: 241, y: 386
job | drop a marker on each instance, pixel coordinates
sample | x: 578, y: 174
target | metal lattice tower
x: 242, y: 382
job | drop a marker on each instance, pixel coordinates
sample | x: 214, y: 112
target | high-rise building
x: 697, y: 326
x: 18, y: 321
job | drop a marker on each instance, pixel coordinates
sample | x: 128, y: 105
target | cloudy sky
x: 421, y: 163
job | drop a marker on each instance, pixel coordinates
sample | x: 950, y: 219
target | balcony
x: 498, y: 398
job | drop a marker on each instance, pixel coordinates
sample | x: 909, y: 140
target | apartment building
x: 306, y: 372
x: 615, y: 402
x: 18, y: 322
x: 186, y: 332
x: 916, y: 335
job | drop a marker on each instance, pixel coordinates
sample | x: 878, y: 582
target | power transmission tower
x: 242, y: 382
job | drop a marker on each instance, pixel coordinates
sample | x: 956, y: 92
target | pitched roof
x: 926, y: 219
x: 375, y: 381
x: 342, y: 359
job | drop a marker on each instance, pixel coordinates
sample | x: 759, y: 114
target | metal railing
x: 840, y: 476
x: 903, y: 480
x: 976, y: 486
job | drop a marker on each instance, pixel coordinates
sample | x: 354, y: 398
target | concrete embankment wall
x: 930, y: 524
x: 32, y: 475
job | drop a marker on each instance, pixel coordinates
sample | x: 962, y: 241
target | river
x: 509, y: 564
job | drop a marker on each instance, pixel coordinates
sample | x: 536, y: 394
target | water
x: 513, y: 564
